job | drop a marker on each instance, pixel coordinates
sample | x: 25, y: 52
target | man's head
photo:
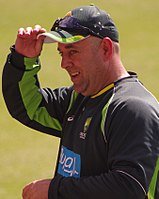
x: 88, y: 43
x: 80, y: 23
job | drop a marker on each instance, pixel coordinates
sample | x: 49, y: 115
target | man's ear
x: 107, y: 46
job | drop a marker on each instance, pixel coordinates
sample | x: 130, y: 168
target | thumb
x: 39, y: 44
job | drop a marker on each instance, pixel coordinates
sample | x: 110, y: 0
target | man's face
x: 83, y: 62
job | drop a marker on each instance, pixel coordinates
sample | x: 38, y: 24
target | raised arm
x: 27, y: 102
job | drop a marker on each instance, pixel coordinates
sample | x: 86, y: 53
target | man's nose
x: 65, y: 63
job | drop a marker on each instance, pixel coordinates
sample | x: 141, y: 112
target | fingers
x: 25, y: 32
x: 21, y: 31
x: 29, y: 31
x: 38, y: 29
x: 28, y: 43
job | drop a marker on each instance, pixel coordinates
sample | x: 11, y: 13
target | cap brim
x: 62, y: 36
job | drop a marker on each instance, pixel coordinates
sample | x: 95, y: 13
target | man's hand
x: 36, y: 190
x: 28, y: 43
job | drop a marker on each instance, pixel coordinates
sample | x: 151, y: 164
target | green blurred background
x: 25, y: 154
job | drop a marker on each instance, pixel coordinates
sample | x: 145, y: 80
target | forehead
x: 71, y: 45
x: 85, y: 43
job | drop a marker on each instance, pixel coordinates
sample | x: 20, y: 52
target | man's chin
x: 77, y: 89
x: 80, y: 90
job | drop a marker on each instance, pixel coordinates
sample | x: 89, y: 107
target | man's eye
x: 73, y: 52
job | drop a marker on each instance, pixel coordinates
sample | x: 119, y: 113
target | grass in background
x: 27, y: 155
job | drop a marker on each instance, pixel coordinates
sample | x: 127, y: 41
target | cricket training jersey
x: 109, y: 142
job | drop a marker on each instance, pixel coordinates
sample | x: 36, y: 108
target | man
x: 107, y: 121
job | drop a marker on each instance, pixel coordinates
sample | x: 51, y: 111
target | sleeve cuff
x: 17, y: 59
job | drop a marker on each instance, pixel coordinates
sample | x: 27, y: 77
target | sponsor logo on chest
x: 69, y: 163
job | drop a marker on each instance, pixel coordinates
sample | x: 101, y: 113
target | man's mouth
x: 74, y: 76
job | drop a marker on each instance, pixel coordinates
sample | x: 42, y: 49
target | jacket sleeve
x: 110, y: 185
x: 40, y: 109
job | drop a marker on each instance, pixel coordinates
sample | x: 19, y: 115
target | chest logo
x: 69, y: 163
x: 86, y: 126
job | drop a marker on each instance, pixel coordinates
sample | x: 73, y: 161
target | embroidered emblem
x: 86, y: 126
